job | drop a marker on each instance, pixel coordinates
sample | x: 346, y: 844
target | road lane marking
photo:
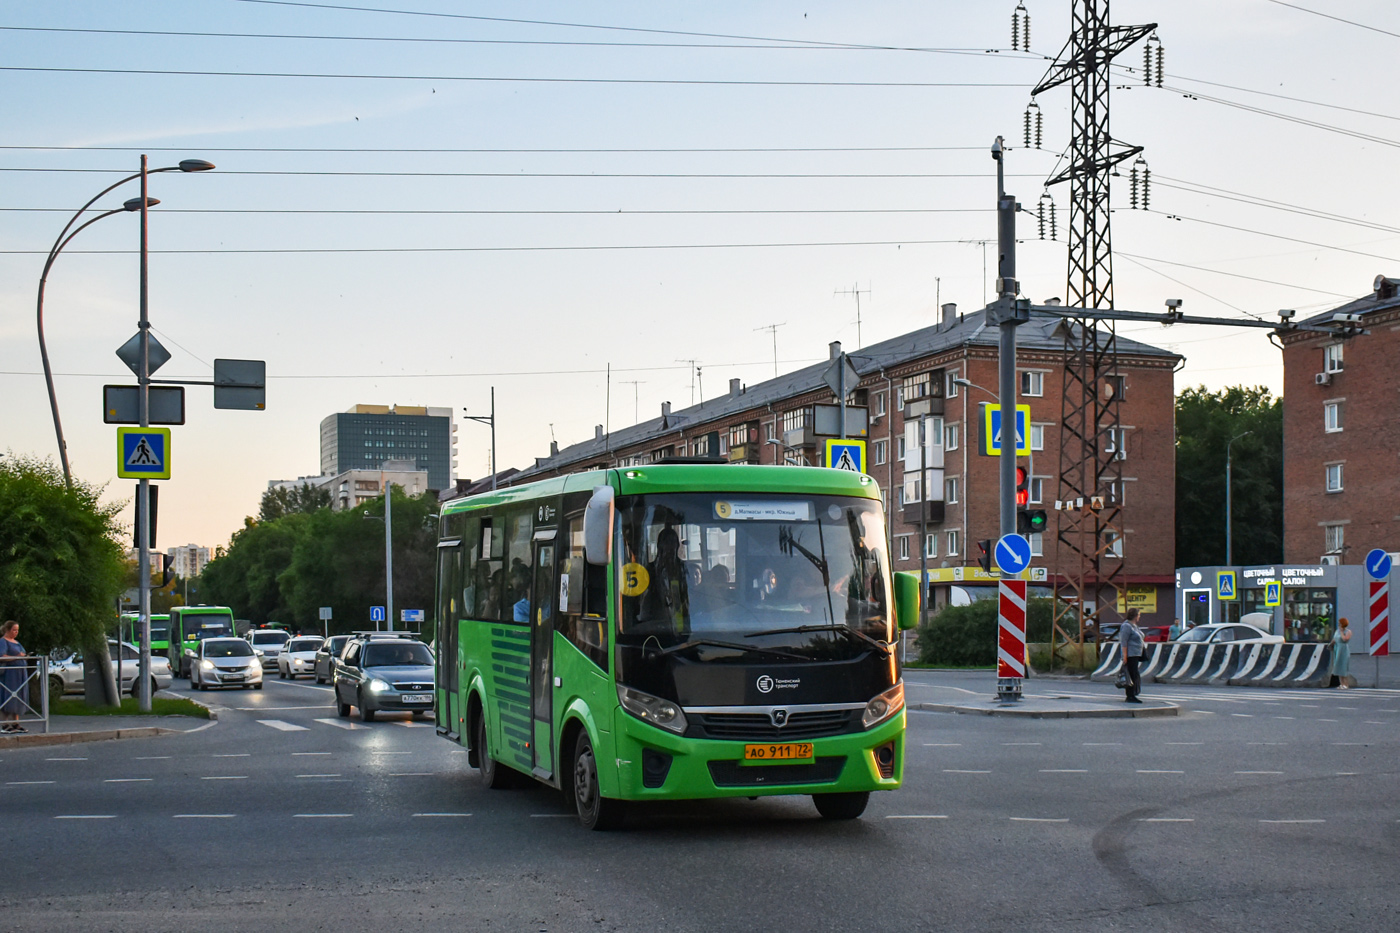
x: 226, y: 777
x: 376, y: 752
x: 322, y: 816
x: 1103, y: 743
x: 413, y: 774
x: 1064, y: 771
x: 1283, y: 717
x: 1142, y: 771
x: 153, y: 758
x: 550, y: 816
x: 65, y: 759
x: 1313, y: 706
x: 203, y: 816
x: 87, y: 816
x: 1349, y: 708
x: 317, y: 775
x: 1167, y: 819
x: 916, y: 816
x: 308, y: 754
x: 961, y: 771
x: 1243, y: 715
x: 280, y: 709
x: 281, y: 726
x: 21, y: 783
x: 1374, y: 722
x: 1186, y: 743
x: 1350, y: 743
x: 442, y: 814
x: 1327, y: 720
x: 237, y: 755
x: 411, y: 724
x: 342, y: 724
x: 1347, y: 773
x: 942, y: 745
x: 1266, y: 743
x: 1293, y: 821
x: 1258, y: 772
x: 1019, y: 743
x: 1037, y: 819
x: 126, y: 780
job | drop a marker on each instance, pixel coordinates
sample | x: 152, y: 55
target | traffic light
x: 167, y: 570
x: 985, y: 557
x: 1023, y: 489
x: 1030, y: 521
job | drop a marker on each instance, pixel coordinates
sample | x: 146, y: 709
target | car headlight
x: 652, y: 709
x: 883, y: 706
x: 255, y: 667
x: 206, y: 665
x: 378, y: 686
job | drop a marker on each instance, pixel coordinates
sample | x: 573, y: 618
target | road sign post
x: 1011, y: 638
x: 376, y: 615
x: 325, y: 615
x: 1378, y: 567
x: 1225, y: 588
x: 845, y: 455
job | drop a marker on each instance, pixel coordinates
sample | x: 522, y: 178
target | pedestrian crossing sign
x: 143, y: 453
x: 1273, y: 594
x: 1225, y: 584
x: 845, y: 454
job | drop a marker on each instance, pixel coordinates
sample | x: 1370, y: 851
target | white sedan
x: 66, y: 670
x: 1221, y: 633
x: 299, y: 657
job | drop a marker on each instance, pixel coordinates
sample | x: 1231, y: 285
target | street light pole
x: 490, y: 420
x: 143, y: 492
x: 1229, y: 542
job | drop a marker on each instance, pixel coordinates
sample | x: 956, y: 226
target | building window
x: 1037, y: 490
x: 950, y: 386
x: 880, y: 404
x: 899, y: 399
x: 953, y: 544
x: 1116, y: 442
x: 772, y: 431
x: 916, y: 387
x: 901, y: 446
x: 1115, y: 492
x: 881, y: 451
x: 1113, y: 544
x: 1334, y: 477
x: 1033, y: 384
x: 931, y: 545
x: 950, y: 434
x: 903, y: 547
x: 1332, y: 358
x: 1037, y: 437
x: 950, y: 490
x: 797, y: 419
x: 1334, y: 538
x: 1332, y: 416
x: 911, y: 488
x: 1037, y: 544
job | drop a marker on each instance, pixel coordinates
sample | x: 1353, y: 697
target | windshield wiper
x: 883, y: 648
x: 747, y: 649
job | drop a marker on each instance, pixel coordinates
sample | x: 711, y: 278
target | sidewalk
x: 68, y: 730
x: 1035, y: 704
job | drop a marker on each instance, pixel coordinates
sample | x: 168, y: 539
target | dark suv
x: 384, y: 672
x: 326, y: 657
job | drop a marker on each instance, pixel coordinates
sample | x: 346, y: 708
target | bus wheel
x: 492, y: 775
x: 846, y: 806
x: 594, y: 810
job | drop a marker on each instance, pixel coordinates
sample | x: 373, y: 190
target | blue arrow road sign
x: 1013, y: 554
x: 1378, y: 564
x: 376, y: 613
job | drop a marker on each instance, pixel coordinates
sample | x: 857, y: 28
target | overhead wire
x: 1349, y: 22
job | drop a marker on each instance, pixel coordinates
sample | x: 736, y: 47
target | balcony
x: 915, y: 512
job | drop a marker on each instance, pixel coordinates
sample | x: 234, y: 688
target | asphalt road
x: 1253, y: 810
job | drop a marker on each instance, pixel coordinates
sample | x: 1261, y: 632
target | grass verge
x: 160, y: 706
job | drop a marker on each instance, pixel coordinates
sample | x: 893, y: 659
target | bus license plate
x: 418, y: 698
x: 792, y: 751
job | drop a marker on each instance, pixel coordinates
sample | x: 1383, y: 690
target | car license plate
x: 418, y: 698
x: 791, y: 751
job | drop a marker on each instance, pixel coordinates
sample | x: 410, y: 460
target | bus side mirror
x: 598, y: 526
x: 906, y: 599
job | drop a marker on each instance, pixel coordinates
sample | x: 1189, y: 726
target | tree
x: 280, y: 502
x: 1205, y: 423
x: 61, y: 566
x: 246, y: 576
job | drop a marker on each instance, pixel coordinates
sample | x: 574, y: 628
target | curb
x: 1147, y: 712
x: 72, y: 738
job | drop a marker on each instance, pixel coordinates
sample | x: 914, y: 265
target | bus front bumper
x: 654, y: 764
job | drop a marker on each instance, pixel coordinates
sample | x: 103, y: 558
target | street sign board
x: 826, y: 420
x: 1225, y: 584
x: 122, y: 405
x: 1012, y: 554
x: 325, y: 613
x: 991, y: 430
x: 1378, y: 564
x: 832, y: 376
x: 411, y: 615
x: 1011, y: 628
x: 143, y: 453
x: 1380, y: 618
x: 376, y: 613
x: 130, y: 353
x: 240, y: 384
x: 1273, y: 594
x: 845, y: 455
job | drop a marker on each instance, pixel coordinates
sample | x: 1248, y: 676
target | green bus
x: 675, y: 631
x: 189, y: 624
x: 130, y: 631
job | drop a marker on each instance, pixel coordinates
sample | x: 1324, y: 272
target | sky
x: 416, y: 203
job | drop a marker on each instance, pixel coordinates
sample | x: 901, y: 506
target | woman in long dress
x: 13, y: 677
x: 1341, y: 652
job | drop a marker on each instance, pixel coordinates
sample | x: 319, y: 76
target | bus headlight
x: 652, y: 709
x: 883, y: 706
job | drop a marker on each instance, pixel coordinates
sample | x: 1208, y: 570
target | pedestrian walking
x: 1175, y: 631
x: 1132, y: 644
x: 12, y: 678
x: 1341, y: 652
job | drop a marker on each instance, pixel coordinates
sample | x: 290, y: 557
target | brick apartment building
x: 773, y: 422
x: 1341, y: 434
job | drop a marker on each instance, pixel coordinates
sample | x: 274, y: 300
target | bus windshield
x: 733, y: 575
x: 208, y: 626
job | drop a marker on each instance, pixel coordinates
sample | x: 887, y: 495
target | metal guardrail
x: 30, y: 699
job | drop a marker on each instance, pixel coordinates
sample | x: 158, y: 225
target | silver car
x: 299, y: 657
x: 66, y: 669
x: 225, y: 662
x: 268, y: 643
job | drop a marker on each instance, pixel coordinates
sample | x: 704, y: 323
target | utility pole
x: 857, y: 291
x: 491, y: 420
x: 389, y: 552
x: 143, y: 493
x: 773, y: 329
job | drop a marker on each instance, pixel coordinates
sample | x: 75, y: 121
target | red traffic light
x: 1023, y: 492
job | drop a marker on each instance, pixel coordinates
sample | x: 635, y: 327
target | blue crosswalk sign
x: 1273, y: 595
x: 1225, y: 584
x: 376, y: 613
x: 1013, y: 554
x: 143, y: 453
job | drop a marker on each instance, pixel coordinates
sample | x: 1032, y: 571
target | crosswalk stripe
x: 342, y: 724
x: 283, y: 726
x: 412, y: 725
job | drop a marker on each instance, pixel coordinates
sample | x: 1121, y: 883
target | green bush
x: 966, y: 636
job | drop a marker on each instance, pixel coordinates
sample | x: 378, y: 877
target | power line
x: 486, y: 249
x: 1276, y: 236
x: 1253, y: 201
x: 1349, y: 22
x: 121, y: 171
x: 1301, y: 121
x: 599, y: 213
x: 1233, y: 275
x: 357, y: 150
x: 514, y: 79
x: 1276, y: 96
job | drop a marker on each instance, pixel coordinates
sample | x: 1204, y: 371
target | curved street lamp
x: 131, y: 206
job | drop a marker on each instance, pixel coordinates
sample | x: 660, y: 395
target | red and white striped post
x: 1380, y: 618
x: 1011, y: 631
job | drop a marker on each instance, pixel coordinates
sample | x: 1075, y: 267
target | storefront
x: 1300, y: 602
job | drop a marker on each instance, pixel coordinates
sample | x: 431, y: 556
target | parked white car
x: 1222, y: 633
x: 66, y: 669
x: 299, y: 657
x: 225, y: 662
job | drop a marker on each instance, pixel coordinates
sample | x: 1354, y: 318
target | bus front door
x: 542, y: 610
